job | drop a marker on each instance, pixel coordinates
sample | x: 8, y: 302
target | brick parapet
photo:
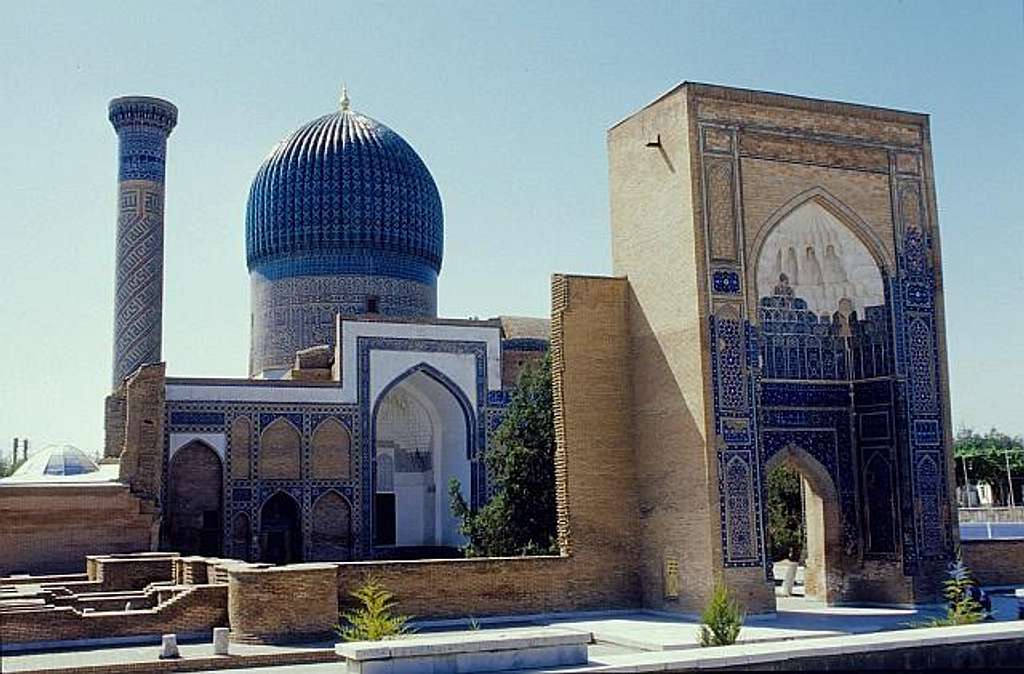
x: 995, y: 562
x: 278, y: 604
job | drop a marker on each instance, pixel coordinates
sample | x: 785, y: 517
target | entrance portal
x: 803, y: 521
x: 280, y: 530
x: 421, y: 443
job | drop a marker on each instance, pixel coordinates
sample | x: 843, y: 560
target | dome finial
x: 344, y: 98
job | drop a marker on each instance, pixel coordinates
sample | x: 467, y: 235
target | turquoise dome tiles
x: 344, y: 194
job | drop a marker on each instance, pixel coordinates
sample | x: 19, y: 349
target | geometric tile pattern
x: 340, y: 183
x: 289, y: 314
x: 343, y: 217
x: 860, y: 394
x: 142, y: 126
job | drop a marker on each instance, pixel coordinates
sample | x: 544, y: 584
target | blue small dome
x: 344, y: 194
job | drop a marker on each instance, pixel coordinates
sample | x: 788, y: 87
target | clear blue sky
x: 508, y: 105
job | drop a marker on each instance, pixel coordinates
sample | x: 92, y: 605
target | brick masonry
x: 995, y: 562
x: 697, y: 181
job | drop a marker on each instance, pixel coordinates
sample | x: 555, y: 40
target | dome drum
x: 343, y: 217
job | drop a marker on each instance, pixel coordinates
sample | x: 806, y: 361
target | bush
x: 374, y: 619
x: 961, y: 607
x: 722, y: 620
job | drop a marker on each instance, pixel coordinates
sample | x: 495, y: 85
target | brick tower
x: 142, y: 125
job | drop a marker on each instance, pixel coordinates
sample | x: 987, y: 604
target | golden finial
x: 344, y: 98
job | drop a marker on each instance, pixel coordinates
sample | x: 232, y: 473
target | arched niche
x: 812, y: 254
x: 280, y: 530
x: 280, y: 451
x: 422, y: 440
x: 195, y: 500
x: 241, y: 537
x: 241, y: 449
x: 331, y: 454
x: 331, y: 538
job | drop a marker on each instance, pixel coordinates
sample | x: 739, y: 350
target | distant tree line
x: 993, y: 458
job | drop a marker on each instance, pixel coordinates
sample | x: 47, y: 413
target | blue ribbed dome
x: 344, y: 194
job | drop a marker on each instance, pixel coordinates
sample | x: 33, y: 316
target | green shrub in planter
x: 721, y: 620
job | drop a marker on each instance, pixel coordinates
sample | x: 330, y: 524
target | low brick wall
x: 459, y: 588
x: 995, y: 562
x: 131, y: 572
x: 287, y: 603
x: 199, y: 609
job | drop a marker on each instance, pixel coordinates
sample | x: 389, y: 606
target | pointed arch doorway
x: 818, y: 545
x: 422, y: 440
x: 280, y: 530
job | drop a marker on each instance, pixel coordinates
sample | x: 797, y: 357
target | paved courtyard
x: 616, y: 636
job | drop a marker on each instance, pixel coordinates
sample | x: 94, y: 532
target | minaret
x: 142, y: 125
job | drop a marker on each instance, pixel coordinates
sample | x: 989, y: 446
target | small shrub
x: 721, y: 620
x: 961, y: 607
x: 374, y: 619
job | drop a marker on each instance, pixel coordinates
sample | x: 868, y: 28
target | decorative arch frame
x: 260, y: 458
x: 351, y: 509
x: 858, y: 227
x: 257, y: 522
x: 313, y: 448
x: 172, y: 462
x: 469, y: 415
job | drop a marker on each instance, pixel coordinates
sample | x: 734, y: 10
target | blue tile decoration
x: 477, y: 417
x: 525, y: 344
x: 725, y: 281
x: 861, y: 394
x: 293, y: 313
x: 196, y: 418
x: 142, y: 125
x: 343, y: 211
x: 247, y: 496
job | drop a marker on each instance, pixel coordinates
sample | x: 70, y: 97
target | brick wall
x: 597, y: 517
x: 133, y: 572
x: 995, y: 562
x: 113, y: 423
x: 142, y: 462
x: 290, y: 603
x: 280, y: 452
x: 656, y: 245
x: 513, y: 362
x: 198, y: 609
x: 50, y: 529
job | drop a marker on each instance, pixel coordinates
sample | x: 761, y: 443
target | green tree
x: 986, y: 457
x: 520, y: 517
x: 785, y: 514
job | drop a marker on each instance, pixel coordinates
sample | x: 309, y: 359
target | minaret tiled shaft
x: 142, y: 125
